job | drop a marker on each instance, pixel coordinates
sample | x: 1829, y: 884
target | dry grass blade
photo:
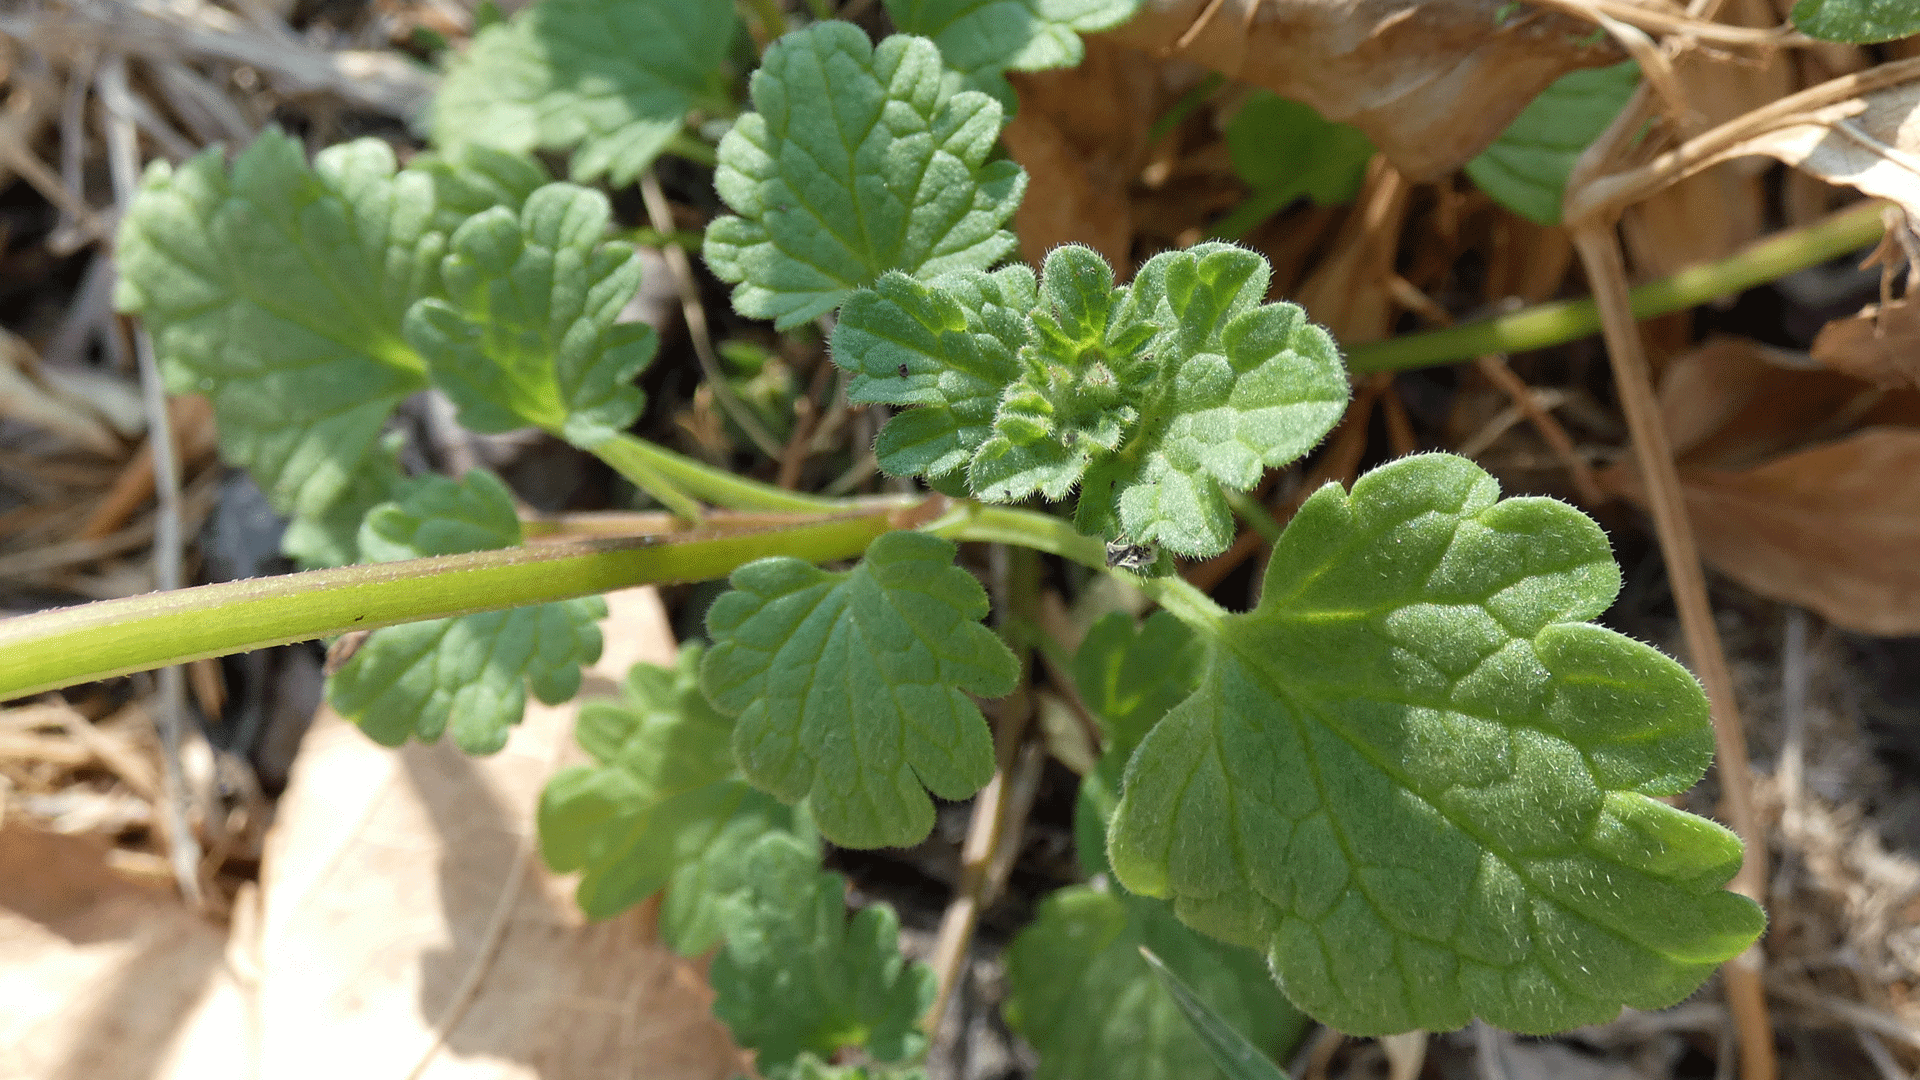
x: 1599, y: 251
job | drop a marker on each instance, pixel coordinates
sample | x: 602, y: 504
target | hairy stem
x: 1562, y: 321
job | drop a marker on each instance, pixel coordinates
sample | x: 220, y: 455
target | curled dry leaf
x: 1431, y: 82
x: 1832, y: 528
x: 1880, y: 345
x: 1081, y: 134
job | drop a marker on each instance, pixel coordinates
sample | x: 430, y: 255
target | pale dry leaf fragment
x: 1832, y: 528
x: 1431, y: 82
x: 407, y: 923
x: 25, y: 398
x: 1880, y: 345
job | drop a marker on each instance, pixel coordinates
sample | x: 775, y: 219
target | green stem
x: 618, y: 453
x: 1258, y: 518
x: 52, y: 649
x: 1562, y: 321
x: 772, y: 20
x: 632, y: 456
x: 687, y: 145
x: 1184, y: 107
x: 1057, y: 536
x: 1259, y: 206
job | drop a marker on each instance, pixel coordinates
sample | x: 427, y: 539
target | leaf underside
x: 851, y: 688
x: 1419, y: 781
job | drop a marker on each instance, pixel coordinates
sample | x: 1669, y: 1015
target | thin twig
x: 1599, y: 250
x: 660, y: 216
x: 168, y: 548
x: 1499, y: 374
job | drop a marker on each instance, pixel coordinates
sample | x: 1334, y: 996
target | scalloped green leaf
x: 982, y: 38
x: 612, y: 79
x: 469, y: 674
x: 1080, y: 992
x: 662, y: 808
x: 277, y: 290
x: 1421, y: 782
x: 858, y: 160
x: 796, y: 975
x: 1858, y: 22
x: 1526, y: 168
x: 1147, y: 398
x: 528, y: 336
x: 850, y: 689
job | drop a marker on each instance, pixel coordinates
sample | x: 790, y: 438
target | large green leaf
x: 858, y: 160
x: 1147, y: 398
x: 1081, y: 993
x: 527, y: 336
x: 850, y: 688
x: 611, y: 78
x: 277, y: 290
x: 1857, y: 21
x: 982, y: 38
x: 469, y: 674
x: 1426, y: 787
x: 1526, y: 168
x: 796, y: 975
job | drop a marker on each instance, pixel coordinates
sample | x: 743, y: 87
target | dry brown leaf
x: 1347, y: 292
x: 96, y: 971
x: 1880, y: 345
x: 409, y: 929
x: 1832, y: 528
x: 1431, y: 82
x: 1081, y: 135
x: 1733, y: 403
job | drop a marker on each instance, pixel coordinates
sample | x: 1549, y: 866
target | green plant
x: 1415, y: 779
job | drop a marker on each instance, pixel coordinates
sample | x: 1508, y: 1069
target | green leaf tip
x: 1080, y: 992
x: 612, y: 79
x: 858, y: 160
x: 1858, y: 22
x: 528, y: 335
x: 850, y: 688
x: 470, y: 674
x: 982, y: 38
x: 1420, y: 782
x: 796, y: 975
x: 1146, y: 397
x: 1526, y: 168
x: 662, y: 807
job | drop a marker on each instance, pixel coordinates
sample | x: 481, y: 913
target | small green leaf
x: 982, y: 38
x: 1526, y: 169
x: 1859, y: 22
x: 1147, y: 397
x: 1420, y: 781
x: 848, y: 687
x: 1128, y: 677
x: 796, y: 975
x: 1237, y: 1058
x: 277, y: 290
x: 661, y: 809
x: 859, y: 160
x: 1285, y: 150
x: 470, y: 673
x: 527, y: 336
x: 613, y: 78
x: 332, y: 537
x: 1079, y: 990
